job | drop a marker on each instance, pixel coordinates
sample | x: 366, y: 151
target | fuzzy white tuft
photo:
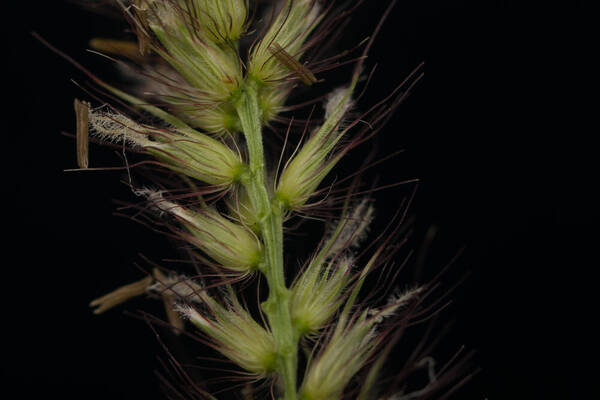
x: 182, y: 287
x: 337, y: 98
x: 118, y: 128
x: 188, y: 312
x: 164, y: 206
x: 395, y: 301
x: 355, y: 227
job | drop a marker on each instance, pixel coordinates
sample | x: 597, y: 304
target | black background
x: 499, y: 132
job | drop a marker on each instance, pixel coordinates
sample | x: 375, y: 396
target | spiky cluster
x: 209, y: 103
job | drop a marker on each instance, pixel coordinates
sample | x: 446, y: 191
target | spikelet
x: 235, y: 334
x: 308, y: 168
x: 295, y: 21
x: 274, y: 61
x: 198, y: 39
x: 348, y: 349
x: 231, y: 245
x: 351, y: 345
x: 193, y: 154
x: 318, y: 293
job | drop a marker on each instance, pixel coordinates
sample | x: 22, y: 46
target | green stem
x: 270, y: 220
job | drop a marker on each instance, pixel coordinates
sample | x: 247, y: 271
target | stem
x: 270, y: 220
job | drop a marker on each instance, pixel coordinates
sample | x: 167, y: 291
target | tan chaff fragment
x: 121, y: 295
x: 125, y: 48
x: 82, y: 118
x: 168, y: 298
